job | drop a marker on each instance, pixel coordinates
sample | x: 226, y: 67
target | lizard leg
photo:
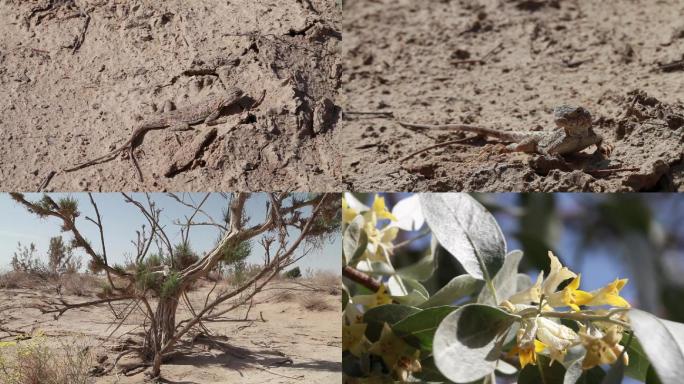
x: 528, y: 145
x: 217, y: 121
x: 603, y: 148
x: 213, y: 116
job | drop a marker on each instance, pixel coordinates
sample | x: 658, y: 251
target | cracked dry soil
x: 78, y: 76
x: 418, y: 61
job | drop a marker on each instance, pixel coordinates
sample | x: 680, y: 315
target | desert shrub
x: 19, y: 279
x: 315, y: 303
x: 293, y: 273
x: 79, y: 284
x: 170, y: 285
x: 61, y: 258
x: 183, y: 256
x: 33, y: 362
x: 25, y: 260
x: 328, y: 281
x: 283, y: 296
x: 154, y: 260
x: 241, y: 271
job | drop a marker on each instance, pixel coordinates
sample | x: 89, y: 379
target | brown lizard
x: 207, y: 112
x: 574, y: 133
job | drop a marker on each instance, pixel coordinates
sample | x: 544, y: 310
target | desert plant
x: 293, y: 273
x: 307, y: 215
x: 487, y: 318
x: 315, y: 303
x: 33, y: 362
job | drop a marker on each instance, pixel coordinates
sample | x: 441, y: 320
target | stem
x: 359, y: 277
x: 586, y: 317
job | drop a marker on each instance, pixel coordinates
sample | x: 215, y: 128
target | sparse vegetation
x: 33, y: 362
x: 315, y: 303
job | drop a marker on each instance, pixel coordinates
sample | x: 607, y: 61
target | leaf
x: 615, y: 373
x: 638, y: 361
x: 355, y: 240
x: 575, y: 374
x: 419, y: 329
x: 409, y: 214
x: 465, y: 346
x: 663, y: 343
x: 542, y: 373
x: 457, y: 288
x: 421, y: 270
x: 465, y: 229
x: 413, y: 292
x: 390, y: 314
x: 506, y: 369
x: 505, y: 282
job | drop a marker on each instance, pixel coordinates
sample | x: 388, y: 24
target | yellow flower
x: 602, y: 348
x: 391, y: 348
x: 556, y: 337
x: 570, y: 296
x: 528, y: 346
x: 528, y: 353
x: 557, y: 275
x: 530, y: 295
x: 380, y: 211
x: 348, y: 213
x: 354, y: 339
x: 610, y: 295
x: 381, y: 297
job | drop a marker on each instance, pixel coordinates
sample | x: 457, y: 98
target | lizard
x: 207, y: 112
x: 573, y: 133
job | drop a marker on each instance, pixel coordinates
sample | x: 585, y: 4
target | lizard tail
x: 504, y: 135
x: 102, y: 159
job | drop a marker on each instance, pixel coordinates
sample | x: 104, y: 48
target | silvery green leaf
x: 467, y: 230
x: 466, y: 346
x: 505, y: 282
x: 457, y: 288
x: 663, y: 343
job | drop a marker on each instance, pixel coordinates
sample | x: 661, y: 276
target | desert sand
x: 278, y: 341
x: 419, y: 61
x: 77, y: 77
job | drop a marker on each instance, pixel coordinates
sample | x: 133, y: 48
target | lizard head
x: 572, y: 118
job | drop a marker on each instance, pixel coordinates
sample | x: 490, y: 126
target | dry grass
x: 315, y: 303
x: 32, y: 362
x: 23, y: 280
x: 284, y: 296
x: 80, y: 284
x: 328, y: 281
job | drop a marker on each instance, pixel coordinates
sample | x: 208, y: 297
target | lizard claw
x: 605, y: 149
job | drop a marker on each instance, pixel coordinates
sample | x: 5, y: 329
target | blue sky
x: 121, y: 220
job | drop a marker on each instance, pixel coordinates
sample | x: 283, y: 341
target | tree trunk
x: 165, y: 326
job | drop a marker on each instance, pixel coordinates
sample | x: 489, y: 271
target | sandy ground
x: 405, y: 57
x: 252, y: 351
x: 78, y: 76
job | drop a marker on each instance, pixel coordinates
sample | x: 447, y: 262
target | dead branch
x: 65, y: 306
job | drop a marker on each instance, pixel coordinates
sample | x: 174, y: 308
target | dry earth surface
x: 78, y: 76
x: 293, y: 345
x: 410, y: 60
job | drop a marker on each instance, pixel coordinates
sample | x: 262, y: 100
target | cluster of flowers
x: 398, y: 356
x: 600, y: 331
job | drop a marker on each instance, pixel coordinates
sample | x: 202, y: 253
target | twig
x: 672, y: 66
x: 359, y: 277
x: 46, y: 181
x: 609, y: 171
